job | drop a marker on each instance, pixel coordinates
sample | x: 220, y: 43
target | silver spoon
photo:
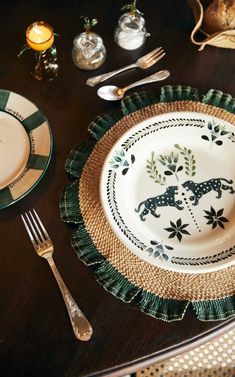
x: 113, y: 93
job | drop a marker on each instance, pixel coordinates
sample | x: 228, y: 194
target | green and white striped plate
x: 25, y: 147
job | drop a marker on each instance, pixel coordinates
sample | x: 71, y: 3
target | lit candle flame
x: 40, y: 36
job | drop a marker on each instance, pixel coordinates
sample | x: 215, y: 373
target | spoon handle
x: 92, y: 81
x: 160, y: 75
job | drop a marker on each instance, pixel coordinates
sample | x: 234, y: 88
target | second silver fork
x: 144, y: 62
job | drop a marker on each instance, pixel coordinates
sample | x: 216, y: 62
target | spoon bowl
x: 113, y: 93
x: 109, y: 93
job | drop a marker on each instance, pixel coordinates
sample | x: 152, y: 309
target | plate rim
x: 30, y: 188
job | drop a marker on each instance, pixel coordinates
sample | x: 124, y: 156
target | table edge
x: 167, y: 353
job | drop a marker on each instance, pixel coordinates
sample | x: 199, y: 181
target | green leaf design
x: 162, y: 162
x: 168, y: 172
x: 216, y: 130
x: 132, y: 159
x: 125, y: 171
x: 159, y: 250
x: 170, y: 161
x: 168, y: 247
x: 118, y: 159
x: 189, y: 160
x: 153, y: 172
x: 222, y: 133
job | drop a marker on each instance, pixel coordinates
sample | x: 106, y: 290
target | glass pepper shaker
x: 88, y: 48
x: 131, y: 33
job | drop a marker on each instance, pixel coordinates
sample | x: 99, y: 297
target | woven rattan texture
x: 163, y: 283
x: 214, y: 359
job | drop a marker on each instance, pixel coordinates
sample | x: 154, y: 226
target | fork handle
x: 81, y: 327
x: 92, y: 81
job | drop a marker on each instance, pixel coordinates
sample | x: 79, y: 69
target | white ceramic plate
x: 168, y: 191
x: 25, y: 147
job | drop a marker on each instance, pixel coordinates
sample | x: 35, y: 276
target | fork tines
x: 151, y: 58
x: 35, y: 229
x: 156, y: 54
x: 156, y: 50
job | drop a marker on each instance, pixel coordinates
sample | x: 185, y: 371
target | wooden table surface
x: 35, y: 333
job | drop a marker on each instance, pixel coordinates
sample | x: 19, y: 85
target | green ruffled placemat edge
x: 108, y: 276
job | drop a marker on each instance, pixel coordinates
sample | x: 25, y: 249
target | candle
x: 40, y: 36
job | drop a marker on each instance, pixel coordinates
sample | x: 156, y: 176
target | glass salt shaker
x: 130, y: 33
x: 88, y: 51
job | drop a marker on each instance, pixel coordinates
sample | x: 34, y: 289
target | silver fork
x: 144, y: 62
x: 44, y: 247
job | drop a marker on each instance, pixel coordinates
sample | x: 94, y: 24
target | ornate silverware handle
x: 81, y: 327
x: 92, y: 81
x: 160, y: 75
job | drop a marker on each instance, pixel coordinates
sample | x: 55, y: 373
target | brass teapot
x: 216, y: 22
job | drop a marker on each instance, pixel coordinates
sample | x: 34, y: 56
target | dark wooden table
x: 35, y: 334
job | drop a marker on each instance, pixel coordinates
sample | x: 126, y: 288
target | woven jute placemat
x: 161, y: 293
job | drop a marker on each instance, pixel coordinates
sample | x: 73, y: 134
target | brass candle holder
x: 40, y: 38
